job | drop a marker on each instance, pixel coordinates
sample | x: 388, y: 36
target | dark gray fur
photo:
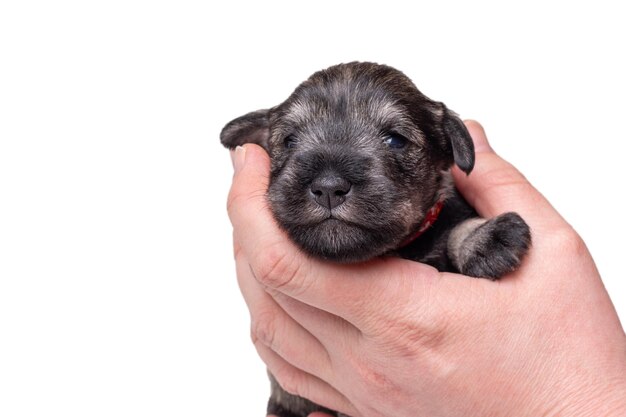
x: 342, y: 193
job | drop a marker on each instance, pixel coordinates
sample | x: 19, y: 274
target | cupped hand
x: 392, y: 337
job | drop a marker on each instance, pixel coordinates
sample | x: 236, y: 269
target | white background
x: 117, y: 287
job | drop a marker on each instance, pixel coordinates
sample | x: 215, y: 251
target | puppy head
x: 358, y: 155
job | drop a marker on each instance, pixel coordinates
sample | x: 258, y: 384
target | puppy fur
x: 358, y: 157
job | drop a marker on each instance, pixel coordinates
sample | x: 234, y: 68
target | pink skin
x: 392, y: 337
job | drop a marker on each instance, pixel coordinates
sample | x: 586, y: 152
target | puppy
x: 360, y: 167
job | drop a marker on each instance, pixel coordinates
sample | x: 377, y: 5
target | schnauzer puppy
x: 360, y: 167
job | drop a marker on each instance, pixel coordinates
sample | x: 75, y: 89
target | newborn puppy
x: 360, y: 167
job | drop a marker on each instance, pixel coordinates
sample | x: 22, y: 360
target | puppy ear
x: 249, y: 128
x: 459, y: 137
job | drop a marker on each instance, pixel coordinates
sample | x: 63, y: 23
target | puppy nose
x: 330, y: 190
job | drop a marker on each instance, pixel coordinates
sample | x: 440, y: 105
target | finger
x: 495, y: 186
x: 276, y: 263
x: 274, y: 328
x: 333, y: 332
x: 302, y: 384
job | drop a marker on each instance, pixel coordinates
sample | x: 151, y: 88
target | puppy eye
x: 290, y: 142
x: 395, y: 141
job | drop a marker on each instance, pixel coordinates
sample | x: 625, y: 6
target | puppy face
x: 358, y: 157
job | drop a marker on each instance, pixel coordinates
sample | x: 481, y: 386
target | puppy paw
x: 490, y: 248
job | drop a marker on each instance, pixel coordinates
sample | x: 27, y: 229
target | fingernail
x: 238, y: 158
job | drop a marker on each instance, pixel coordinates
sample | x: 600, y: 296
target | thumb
x: 495, y: 186
x: 247, y: 203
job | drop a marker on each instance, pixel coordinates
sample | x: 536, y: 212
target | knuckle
x: 278, y: 268
x: 263, y: 328
x: 565, y: 240
x: 236, y: 198
x: 237, y: 250
x: 371, y: 377
x: 289, y: 380
x: 232, y: 200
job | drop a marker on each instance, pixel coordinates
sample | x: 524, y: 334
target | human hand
x: 393, y: 337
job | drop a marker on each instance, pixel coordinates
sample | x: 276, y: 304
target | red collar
x: 431, y: 217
